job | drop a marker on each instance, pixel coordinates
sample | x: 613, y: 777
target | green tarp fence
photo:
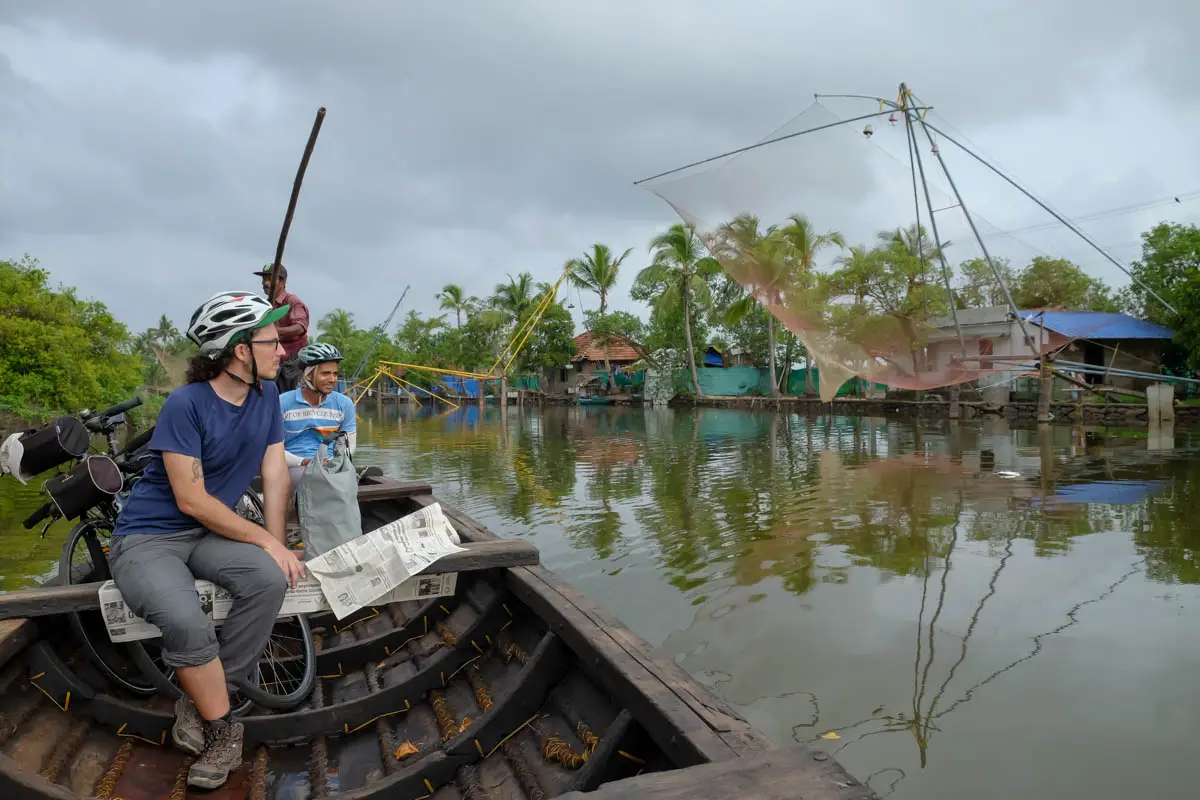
x: 529, y: 382
x: 740, y: 381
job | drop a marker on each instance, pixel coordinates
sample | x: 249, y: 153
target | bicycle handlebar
x: 38, y: 516
x: 141, y: 439
x: 96, y: 421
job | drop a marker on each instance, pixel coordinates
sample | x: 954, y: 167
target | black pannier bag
x: 88, y: 484
x: 61, y: 440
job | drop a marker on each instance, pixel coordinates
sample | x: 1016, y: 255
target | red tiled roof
x: 590, y: 349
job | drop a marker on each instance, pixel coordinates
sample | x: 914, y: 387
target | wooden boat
x: 515, y: 687
x: 592, y: 400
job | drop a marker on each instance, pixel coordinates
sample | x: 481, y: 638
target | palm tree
x: 514, y: 301
x: 762, y: 270
x: 165, y: 334
x: 453, y: 299
x: 678, y: 264
x: 913, y: 240
x: 597, y: 271
x: 803, y: 243
x: 337, y: 328
x: 516, y: 298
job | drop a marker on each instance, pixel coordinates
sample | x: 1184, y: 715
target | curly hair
x: 202, y: 368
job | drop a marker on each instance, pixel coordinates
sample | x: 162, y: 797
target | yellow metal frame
x: 515, y: 344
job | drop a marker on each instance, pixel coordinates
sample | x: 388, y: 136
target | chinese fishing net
x: 826, y: 222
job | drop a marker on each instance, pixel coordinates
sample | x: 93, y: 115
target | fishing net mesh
x: 830, y: 232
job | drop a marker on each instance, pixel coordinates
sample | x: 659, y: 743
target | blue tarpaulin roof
x: 1097, y: 325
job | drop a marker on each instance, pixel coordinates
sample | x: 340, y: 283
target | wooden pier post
x: 1160, y: 402
x: 1047, y: 387
x: 955, y: 407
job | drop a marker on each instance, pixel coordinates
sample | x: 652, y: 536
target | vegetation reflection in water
x: 955, y: 555
x: 932, y: 602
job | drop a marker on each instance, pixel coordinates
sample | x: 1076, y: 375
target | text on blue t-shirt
x: 305, y: 427
x: 229, y: 440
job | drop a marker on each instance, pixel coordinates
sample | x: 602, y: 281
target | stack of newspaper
x: 375, y: 569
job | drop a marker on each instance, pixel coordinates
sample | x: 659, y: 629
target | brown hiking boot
x: 222, y: 755
x: 188, y: 730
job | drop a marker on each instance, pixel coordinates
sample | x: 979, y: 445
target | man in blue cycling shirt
x: 314, y: 413
x: 213, y: 435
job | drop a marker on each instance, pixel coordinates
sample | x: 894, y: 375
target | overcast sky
x: 147, y: 148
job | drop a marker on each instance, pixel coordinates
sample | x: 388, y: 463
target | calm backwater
x: 971, y: 610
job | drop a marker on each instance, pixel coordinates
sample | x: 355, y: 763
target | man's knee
x: 189, y: 639
x: 262, y: 582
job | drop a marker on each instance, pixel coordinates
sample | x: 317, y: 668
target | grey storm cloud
x: 148, y: 148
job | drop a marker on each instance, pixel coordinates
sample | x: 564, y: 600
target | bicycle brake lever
x: 46, y: 527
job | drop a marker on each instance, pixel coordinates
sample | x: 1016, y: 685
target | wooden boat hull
x: 596, y: 400
x: 516, y: 687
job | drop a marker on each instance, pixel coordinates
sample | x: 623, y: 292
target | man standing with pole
x: 293, y: 328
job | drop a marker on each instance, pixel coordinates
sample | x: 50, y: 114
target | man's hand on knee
x: 293, y: 567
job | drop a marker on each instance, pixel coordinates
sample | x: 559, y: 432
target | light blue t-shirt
x: 305, y: 428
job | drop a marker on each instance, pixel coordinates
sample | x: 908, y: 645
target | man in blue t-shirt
x: 314, y: 414
x: 213, y: 435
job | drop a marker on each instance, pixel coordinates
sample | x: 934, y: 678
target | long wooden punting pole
x: 291, y: 209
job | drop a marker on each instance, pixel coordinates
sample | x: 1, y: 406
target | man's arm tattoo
x: 197, y: 473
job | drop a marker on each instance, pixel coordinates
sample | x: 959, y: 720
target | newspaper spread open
x: 359, y: 572
x: 376, y: 569
x: 307, y: 598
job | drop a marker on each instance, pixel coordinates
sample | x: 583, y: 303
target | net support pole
x: 975, y: 232
x: 1047, y: 384
x: 937, y: 239
x: 1049, y: 211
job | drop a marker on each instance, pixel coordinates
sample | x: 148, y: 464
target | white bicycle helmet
x: 222, y: 318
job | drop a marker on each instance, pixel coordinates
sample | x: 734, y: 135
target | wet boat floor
x: 480, y: 702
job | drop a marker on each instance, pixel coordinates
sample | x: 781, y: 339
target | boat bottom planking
x: 516, y: 687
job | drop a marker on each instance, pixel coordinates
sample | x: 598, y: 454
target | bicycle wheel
x: 288, y: 667
x: 83, y: 560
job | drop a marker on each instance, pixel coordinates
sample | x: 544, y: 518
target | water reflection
x: 851, y: 578
x: 748, y: 495
x: 935, y: 602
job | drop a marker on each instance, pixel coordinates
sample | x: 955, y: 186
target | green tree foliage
x: 473, y: 343
x: 1170, y: 266
x: 164, y: 353
x: 551, y: 345
x: 597, y: 271
x: 1058, y: 283
x: 979, y: 287
x: 761, y: 259
x: 59, y: 353
x: 677, y: 280
x: 338, y: 329
x: 615, y: 323
x: 895, y: 289
x: 454, y: 299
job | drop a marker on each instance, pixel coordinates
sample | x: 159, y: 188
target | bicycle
x: 287, y: 670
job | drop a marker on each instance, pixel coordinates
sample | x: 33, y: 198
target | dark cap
x: 266, y: 272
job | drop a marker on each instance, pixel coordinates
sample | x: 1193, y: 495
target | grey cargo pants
x: 156, y: 575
